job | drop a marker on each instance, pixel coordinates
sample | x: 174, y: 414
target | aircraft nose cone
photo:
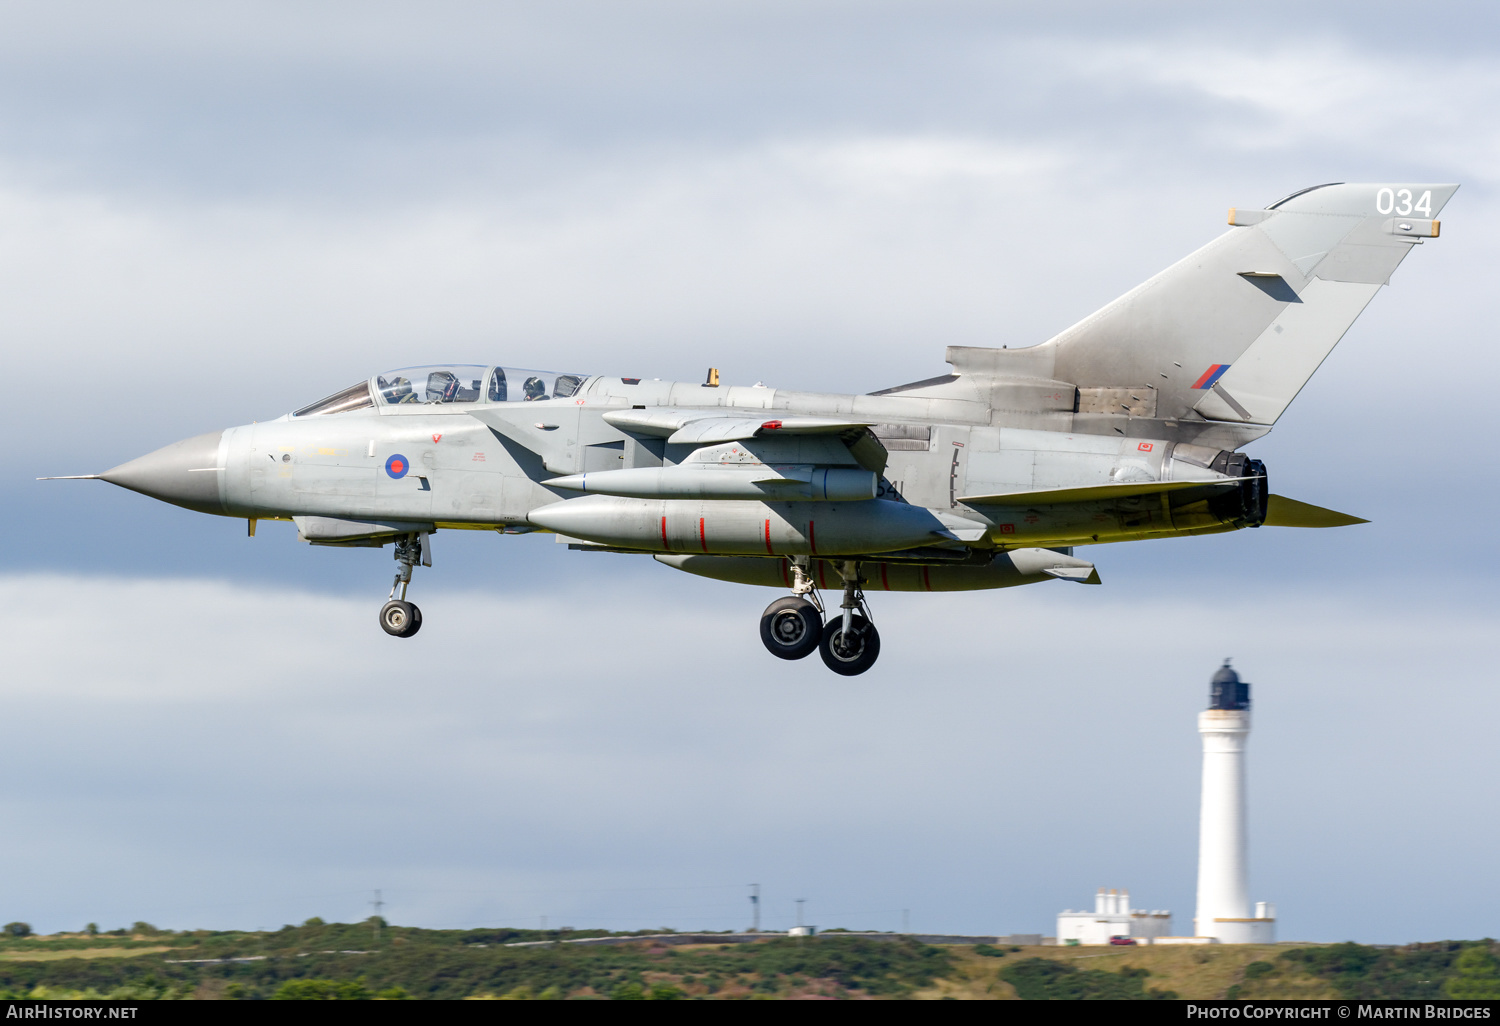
x: 185, y: 473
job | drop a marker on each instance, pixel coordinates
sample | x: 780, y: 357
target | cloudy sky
x: 211, y: 214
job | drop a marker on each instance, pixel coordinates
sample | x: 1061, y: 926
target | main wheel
x: 791, y: 627
x: 853, y: 654
x: 400, y: 619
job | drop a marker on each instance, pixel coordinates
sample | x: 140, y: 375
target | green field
x: 331, y: 960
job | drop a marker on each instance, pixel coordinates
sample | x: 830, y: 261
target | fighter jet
x: 1127, y: 425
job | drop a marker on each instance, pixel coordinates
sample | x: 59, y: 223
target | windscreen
x: 355, y: 397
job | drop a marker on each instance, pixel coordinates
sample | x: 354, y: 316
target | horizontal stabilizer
x: 1284, y: 512
x: 1092, y: 493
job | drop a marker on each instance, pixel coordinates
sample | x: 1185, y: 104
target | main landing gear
x: 793, y: 627
x: 398, y: 617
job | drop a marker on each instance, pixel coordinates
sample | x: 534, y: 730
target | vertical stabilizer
x: 1232, y: 332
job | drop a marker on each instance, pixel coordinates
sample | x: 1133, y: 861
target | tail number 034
x: 1399, y: 201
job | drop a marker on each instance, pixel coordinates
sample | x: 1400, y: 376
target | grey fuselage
x: 471, y: 473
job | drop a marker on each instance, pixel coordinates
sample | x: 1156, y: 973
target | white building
x: 1112, y: 917
x: 1224, y: 912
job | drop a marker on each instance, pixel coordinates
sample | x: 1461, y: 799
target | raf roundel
x: 397, y: 466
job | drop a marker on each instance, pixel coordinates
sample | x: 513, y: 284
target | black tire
x: 399, y: 619
x: 791, y: 628
x: 416, y: 620
x: 858, y: 654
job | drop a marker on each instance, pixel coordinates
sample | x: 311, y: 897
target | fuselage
x: 473, y: 462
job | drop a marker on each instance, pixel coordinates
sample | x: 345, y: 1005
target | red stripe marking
x: 821, y: 564
x: 885, y: 580
x: 702, y: 536
x: 664, y: 543
x: 812, y: 539
x: 786, y: 573
x: 926, y: 580
x: 1203, y: 381
x: 768, y: 536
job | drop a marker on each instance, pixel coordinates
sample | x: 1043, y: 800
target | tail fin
x: 1232, y: 332
x: 1284, y: 512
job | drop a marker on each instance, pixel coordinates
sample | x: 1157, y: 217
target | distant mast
x: 1224, y: 911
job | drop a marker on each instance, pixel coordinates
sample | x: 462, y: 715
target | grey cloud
x: 375, y: 102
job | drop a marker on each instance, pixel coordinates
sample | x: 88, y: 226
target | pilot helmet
x: 534, y: 389
x: 398, y: 391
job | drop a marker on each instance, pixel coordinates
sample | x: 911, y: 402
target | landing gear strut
x: 850, y: 643
x: 398, y: 617
x: 791, y: 627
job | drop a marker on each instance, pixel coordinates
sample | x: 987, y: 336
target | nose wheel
x: 398, y: 617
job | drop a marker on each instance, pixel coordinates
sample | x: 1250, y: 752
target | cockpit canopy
x: 458, y: 383
x: 449, y: 383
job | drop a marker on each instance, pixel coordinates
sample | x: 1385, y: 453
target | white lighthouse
x: 1224, y: 911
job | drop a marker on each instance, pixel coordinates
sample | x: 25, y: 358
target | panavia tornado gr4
x: 1125, y: 426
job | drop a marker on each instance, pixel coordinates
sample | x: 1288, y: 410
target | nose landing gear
x: 793, y: 627
x: 398, y: 617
